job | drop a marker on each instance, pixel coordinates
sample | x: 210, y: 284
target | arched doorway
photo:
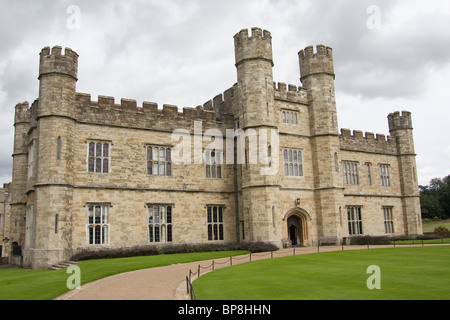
x: 295, y: 231
x: 298, y: 223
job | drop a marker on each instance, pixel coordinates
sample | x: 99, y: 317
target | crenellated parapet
x: 290, y: 93
x: 368, y: 142
x: 258, y: 45
x: 319, y: 62
x: 401, y: 127
x: 105, y: 111
x: 23, y: 113
x: 54, y: 62
x: 399, y: 120
x: 223, y: 103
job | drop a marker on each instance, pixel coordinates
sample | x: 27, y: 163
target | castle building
x: 97, y: 175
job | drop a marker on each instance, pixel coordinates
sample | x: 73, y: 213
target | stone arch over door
x: 298, y: 226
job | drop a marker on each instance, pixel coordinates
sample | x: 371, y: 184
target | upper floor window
x: 369, y: 174
x: 384, y: 176
x: 213, y: 160
x: 269, y: 155
x: 32, y: 156
x: 293, y: 163
x: 159, y: 161
x: 351, y: 173
x: 290, y: 117
x: 58, y: 148
x: 99, y: 157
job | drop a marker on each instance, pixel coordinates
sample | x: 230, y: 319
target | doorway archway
x: 295, y: 231
x: 298, y: 227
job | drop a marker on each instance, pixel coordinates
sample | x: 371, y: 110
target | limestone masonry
x: 97, y: 175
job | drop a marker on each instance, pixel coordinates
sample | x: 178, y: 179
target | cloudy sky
x: 390, y: 55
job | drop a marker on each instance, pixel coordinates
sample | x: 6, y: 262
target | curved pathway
x: 169, y: 283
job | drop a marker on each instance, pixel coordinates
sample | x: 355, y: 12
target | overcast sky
x: 390, y: 55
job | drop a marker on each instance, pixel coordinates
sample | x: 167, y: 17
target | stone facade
x: 5, y: 223
x: 84, y: 172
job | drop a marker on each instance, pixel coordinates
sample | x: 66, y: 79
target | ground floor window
x: 215, y: 223
x: 159, y: 223
x: 354, y: 221
x: 388, y: 220
x: 98, y: 227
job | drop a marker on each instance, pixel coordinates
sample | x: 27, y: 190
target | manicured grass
x: 418, y: 273
x: 21, y: 284
x: 418, y: 242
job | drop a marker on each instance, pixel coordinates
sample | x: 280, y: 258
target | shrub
x: 255, y: 247
x: 115, y: 253
x: 364, y: 240
x: 137, y: 251
x: 441, y: 229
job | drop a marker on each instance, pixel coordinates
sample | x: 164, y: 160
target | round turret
x: 256, y: 46
x: 316, y: 63
x: 53, y: 62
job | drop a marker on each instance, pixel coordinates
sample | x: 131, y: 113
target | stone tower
x: 317, y: 76
x: 257, y: 117
x: 19, y: 174
x: 50, y: 184
x: 401, y: 128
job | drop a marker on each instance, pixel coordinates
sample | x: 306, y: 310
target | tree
x: 435, y: 198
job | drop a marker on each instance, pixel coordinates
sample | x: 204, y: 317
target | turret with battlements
x: 255, y: 110
x: 401, y: 128
x: 254, y: 63
x: 317, y: 76
x: 50, y: 159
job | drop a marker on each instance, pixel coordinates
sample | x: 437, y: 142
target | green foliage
x: 435, y: 199
x: 441, y: 229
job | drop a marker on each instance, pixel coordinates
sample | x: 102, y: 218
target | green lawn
x: 21, y: 284
x: 429, y: 225
x: 406, y: 274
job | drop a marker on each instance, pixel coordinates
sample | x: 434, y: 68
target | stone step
x: 63, y: 265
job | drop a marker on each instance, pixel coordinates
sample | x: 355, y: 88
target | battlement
x: 257, y: 33
x: 399, y: 120
x: 319, y: 62
x: 23, y: 113
x: 148, y: 116
x: 368, y: 142
x: 222, y: 104
x: 258, y: 45
x: 290, y: 93
x: 54, y: 62
x: 322, y: 51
